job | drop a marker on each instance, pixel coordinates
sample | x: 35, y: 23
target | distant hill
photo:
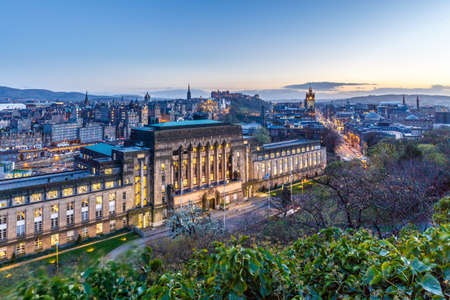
x: 425, y: 100
x: 16, y: 95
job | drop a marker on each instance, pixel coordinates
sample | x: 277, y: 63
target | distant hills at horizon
x: 17, y: 95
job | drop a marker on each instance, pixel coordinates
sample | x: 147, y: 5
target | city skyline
x: 354, y: 48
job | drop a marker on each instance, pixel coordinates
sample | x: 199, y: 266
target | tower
x: 263, y: 116
x: 86, y: 100
x: 404, y: 101
x: 189, y: 93
x: 417, y: 103
x: 309, y: 103
x: 147, y: 97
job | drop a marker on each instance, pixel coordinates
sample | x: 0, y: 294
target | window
x: 96, y: 186
x: 124, y: 195
x: 98, y: 206
x: 20, y: 248
x: 84, y: 232
x: 112, y: 207
x: 3, y: 203
x: 36, y: 197
x: 124, y: 206
x: 52, y: 194
x: 54, y: 239
x: 67, y: 192
x: 19, y: 200
x: 69, y: 219
x: 85, y: 210
x: 38, y: 220
x: 70, y: 235
x: 99, y: 228
x: 3, y: 253
x: 38, y: 244
x: 20, y: 225
x: 70, y: 205
x: 109, y: 184
x: 108, y: 171
x: 3, y: 227
x: 82, y: 189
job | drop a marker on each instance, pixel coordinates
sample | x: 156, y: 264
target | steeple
x: 404, y: 101
x: 189, y: 92
x: 417, y: 103
x: 147, y: 97
x: 86, y: 100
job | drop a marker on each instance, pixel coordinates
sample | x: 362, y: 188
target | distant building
x: 310, y: 100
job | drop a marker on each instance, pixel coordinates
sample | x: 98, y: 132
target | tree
x: 190, y: 221
x: 262, y: 135
x: 331, y: 140
x: 283, y: 203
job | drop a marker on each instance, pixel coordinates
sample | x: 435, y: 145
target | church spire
x: 189, y: 92
x: 86, y: 100
x: 404, y: 100
x: 147, y: 97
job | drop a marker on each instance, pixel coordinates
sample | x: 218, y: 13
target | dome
x: 411, y: 118
x: 372, y: 116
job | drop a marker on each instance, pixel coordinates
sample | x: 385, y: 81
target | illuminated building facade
x: 161, y: 167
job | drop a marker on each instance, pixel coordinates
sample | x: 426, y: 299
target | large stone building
x: 161, y: 167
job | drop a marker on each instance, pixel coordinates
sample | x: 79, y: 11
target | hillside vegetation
x: 331, y: 264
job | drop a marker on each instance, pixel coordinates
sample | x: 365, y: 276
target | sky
x: 275, y: 48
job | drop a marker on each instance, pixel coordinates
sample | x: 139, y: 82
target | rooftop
x: 41, y: 179
x: 185, y: 123
x: 286, y: 144
x: 102, y: 148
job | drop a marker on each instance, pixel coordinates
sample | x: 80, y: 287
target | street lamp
x: 57, y: 261
x: 224, y: 216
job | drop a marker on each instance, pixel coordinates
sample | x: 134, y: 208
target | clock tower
x: 310, y: 100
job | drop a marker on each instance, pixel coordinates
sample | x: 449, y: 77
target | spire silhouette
x: 189, y: 92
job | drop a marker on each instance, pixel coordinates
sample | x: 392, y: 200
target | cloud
x: 325, y: 85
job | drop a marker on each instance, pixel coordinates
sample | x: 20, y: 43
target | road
x: 344, y: 150
x: 236, y: 216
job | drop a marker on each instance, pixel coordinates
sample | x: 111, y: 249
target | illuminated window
x: 278, y: 154
x: 98, y: 200
x: 20, y: 248
x: 38, y: 212
x: 109, y: 184
x: 67, y: 192
x: 85, y: 203
x: 84, y: 232
x: 99, y: 228
x: 272, y: 155
x: 38, y: 244
x: 52, y: 194
x: 19, y: 200
x: 108, y: 171
x: 54, y: 239
x: 3, y: 253
x: 258, y: 148
x: 163, y: 167
x: 70, y: 205
x: 112, y: 196
x: 20, y: 215
x: 96, y: 186
x: 82, y: 189
x: 3, y: 203
x: 35, y: 197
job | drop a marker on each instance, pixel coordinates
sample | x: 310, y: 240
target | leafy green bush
x: 328, y: 265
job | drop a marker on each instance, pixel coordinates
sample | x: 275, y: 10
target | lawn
x: 69, y: 263
x: 296, y: 188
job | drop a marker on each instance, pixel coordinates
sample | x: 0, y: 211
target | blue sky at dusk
x: 276, y: 46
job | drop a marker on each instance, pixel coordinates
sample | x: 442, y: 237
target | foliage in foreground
x: 330, y: 264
